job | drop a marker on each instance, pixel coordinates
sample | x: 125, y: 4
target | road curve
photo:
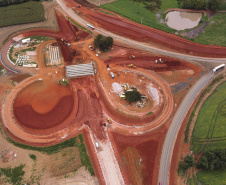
x: 136, y: 44
x: 175, y: 126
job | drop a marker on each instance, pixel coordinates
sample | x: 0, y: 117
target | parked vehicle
x: 90, y: 47
x: 112, y: 75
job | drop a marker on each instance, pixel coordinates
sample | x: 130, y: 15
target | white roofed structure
x: 76, y: 71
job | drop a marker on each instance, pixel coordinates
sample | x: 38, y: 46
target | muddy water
x: 182, y: 20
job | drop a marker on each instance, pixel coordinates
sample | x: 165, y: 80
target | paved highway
x: 175, y: 126
x: 136, y: 44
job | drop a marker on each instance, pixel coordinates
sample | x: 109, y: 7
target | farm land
x: 45, y: 99
x: 28, y: 12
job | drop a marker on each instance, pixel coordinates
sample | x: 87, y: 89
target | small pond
x: 182, y: 20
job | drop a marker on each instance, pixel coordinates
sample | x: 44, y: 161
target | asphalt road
x: 136, y: 44
x: 175, y: 126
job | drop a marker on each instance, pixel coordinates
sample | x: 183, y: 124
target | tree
x: 103, y: 43
x: 189, y: 160
x: 133, y: 96
x: 199, y: 4
x: 202, y: 163
x: 214, y: 5
x: 186, y: 4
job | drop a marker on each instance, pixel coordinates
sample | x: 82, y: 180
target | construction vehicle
x: 132, y: 57
x: 109, y: 121
x: 131, y: 65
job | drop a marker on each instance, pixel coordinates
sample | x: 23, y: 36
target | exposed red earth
x: 143, y: 33
x: 45, y: 113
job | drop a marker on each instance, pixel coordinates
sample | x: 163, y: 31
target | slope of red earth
x: 138, y: 156
x: 143, y: 33
x: 43, y: 105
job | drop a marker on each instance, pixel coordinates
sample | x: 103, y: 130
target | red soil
x: 148, y: 62
x: 149, y: 149
x: 143, y: 33
x: 42, y: 105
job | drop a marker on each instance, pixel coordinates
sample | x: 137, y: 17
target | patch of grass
x: 217, y: 177
x: 80, y: 26
x: 207, y: 90
x: 32, y: 156
x: 48, y: 150
x: 138, y: 13
x: 149, y: 113
x: 13, y: 175
x: 29, y: 49
x: 83, y: 154
x: 214, y: 33
x: 22, y: 13
x: 209, y: 130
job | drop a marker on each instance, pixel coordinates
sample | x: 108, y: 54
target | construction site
x: 73, y: 89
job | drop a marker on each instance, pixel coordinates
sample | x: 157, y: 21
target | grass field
x: 209, y: 131
x: 21, y: 13
x: 212, y: 177
x: 214, y: 32
x: 138, y: 13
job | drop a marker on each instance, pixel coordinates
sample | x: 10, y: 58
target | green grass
x: 83, y: 154
x: 28, y: 49
x: 137, y: 12
x: 214, y: 33
x: 32, y: 156
x: 22, y: 13
x: 12, y: 175
x: 73, y: 142
x: 212, y: 177
x: 48, y: 150
x: 210, y: 125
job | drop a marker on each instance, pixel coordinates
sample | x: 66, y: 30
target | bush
x: 32, y: 156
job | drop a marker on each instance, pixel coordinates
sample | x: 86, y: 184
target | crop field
x: 138, y: 13
x: 209, y: 131
x: 212, y: 177
x: 214, y: 32
x: 22, y: 13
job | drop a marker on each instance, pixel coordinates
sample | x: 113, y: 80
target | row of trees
x: 210, y: 160
x: 13, y: 2
x: 213, y: 5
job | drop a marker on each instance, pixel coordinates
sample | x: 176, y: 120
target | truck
x: 218, y: 68
x: 112, y: 75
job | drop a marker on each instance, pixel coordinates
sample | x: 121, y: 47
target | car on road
x: 90, y: 47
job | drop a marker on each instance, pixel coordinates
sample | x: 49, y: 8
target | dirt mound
x: 42, y: 105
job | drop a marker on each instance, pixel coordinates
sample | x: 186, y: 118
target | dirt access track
x: 126, y: 28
